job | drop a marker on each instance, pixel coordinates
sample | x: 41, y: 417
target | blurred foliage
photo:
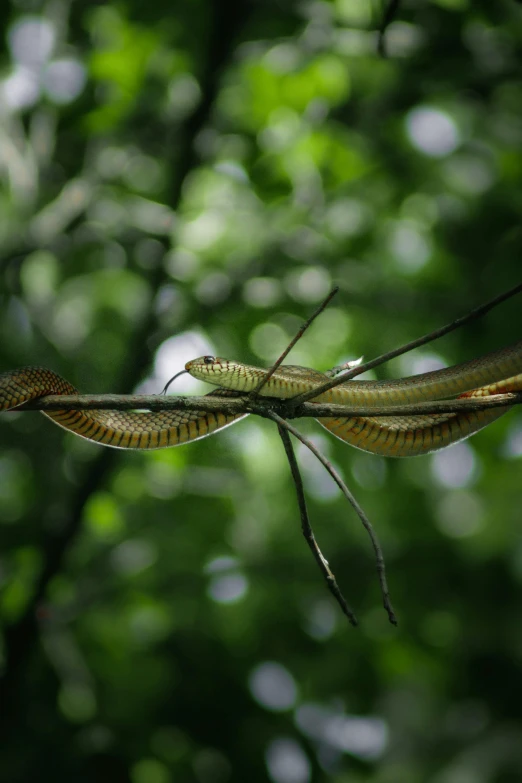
x: 185, y: 178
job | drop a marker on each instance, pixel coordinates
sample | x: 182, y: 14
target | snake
x: 494, y: 373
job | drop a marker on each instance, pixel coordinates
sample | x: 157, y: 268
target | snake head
x: 225, y: 373
x: 205, y: 367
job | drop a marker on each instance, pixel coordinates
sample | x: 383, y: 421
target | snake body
x: 397, y: 436
x: 120, y: 429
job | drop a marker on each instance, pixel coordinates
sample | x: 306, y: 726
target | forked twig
x: 253, y: 394
x: 379, y: 558
x: 427, y: 338
x: 306, y: 527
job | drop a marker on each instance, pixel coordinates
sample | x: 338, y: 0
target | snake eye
x: 209, y: 359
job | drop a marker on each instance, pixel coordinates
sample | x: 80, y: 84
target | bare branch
x: 125, y: 402
x: 295, y: 339
x: 379, y: 558
x: 464, y: 405
x: 308, y: 533
x: 427, y: 338
x: 242, y: 404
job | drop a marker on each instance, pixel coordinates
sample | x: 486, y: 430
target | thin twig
x: 427, y: 338
x: 242, y: 404
x: 379, y: 558
x: 295, y: 339
x: 349, y: 365
x: 308, y: 533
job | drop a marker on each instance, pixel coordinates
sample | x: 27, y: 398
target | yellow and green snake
x: 392, y: 436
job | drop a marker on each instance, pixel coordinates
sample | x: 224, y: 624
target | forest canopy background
x: 178, y: 179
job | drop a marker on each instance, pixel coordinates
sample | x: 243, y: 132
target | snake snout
x: 200, y: 363
x: 205, y: 367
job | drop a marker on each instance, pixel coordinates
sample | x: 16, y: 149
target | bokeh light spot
x: 262, y: 291
x: 459, y: 514
x: 150, y: 771
x: 228, y: 588
x: 409, y: 246
x: 513, y: 445
x: 432, y: 131
x: 133, y: 556
x: 31, y: 40
x: 287, y: 762
x: 273, y: 686
x: 365, y: 737
x: 455, y: 466
x: 268, y: 340
x: 64, y: 80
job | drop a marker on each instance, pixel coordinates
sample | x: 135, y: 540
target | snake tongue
x: 164, y: 390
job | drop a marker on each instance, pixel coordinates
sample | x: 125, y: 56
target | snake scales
x: 394, y: 436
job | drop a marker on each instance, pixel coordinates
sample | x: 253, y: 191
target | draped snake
x: 392, y: 436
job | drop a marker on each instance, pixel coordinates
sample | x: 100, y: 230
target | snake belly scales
x: 392, y: 436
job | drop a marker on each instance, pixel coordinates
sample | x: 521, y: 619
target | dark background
x: 186, y: 178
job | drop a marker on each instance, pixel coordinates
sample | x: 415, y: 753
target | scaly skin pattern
x: 395, y: 436
x: 120, y: 429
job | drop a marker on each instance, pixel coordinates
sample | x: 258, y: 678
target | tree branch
x: 242, y: 404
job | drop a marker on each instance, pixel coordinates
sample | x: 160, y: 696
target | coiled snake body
x: 393, y: 436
